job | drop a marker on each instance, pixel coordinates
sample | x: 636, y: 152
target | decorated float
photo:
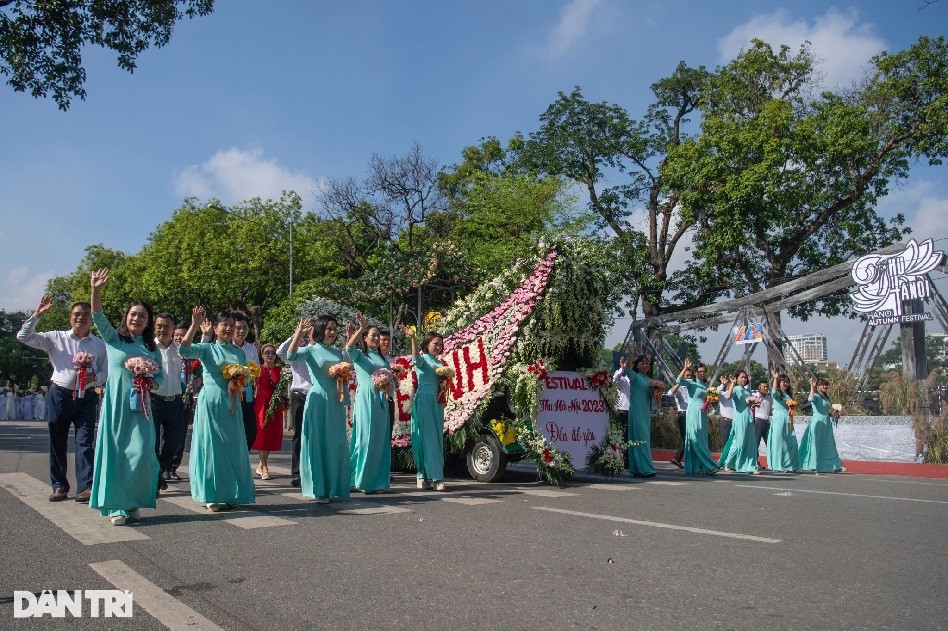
x: 524, y: 349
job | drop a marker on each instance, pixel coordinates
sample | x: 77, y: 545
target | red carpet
x: 871, y: 467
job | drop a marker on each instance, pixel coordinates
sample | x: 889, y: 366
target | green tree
x: 74, y: 287
x: 19, y: 364
x: 41, y: 42
x: 780, y: 184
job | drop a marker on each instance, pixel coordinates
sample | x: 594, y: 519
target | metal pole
x: 291, y: 258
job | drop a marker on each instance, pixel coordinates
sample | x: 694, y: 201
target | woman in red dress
x: 269, y: 431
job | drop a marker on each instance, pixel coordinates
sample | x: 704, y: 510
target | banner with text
x: 572, y: 415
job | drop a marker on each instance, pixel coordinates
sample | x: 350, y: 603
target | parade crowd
x: 155, y: 380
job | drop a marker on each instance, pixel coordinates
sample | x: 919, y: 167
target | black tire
x: 486, y: 461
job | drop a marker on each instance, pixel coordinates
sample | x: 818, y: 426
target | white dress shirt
x: 725, y: 404
x: 765, y: 407
x: 250, y: 351
x: 301, y: 379
x: 61, y: 346
x: 171, y: 365
x: 681, y: 399
x: 622, y: 385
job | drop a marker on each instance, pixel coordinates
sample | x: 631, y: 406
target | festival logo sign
x: 573, y: 415
x: 886, y: 281
x: 750, y: 332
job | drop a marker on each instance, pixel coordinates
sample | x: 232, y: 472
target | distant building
x: 811, y: 347
x: 825, y: 365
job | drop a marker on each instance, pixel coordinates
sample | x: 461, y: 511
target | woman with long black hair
x: 641, y: 389
x: 697, y: 457
x: 125, y: 476
x: 818, y: 446
x: 220, y: 461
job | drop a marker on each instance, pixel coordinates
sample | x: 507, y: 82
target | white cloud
x: 21, y: 288
x: 840, y: 42
x: 237, y: 174
x: 573, y: 24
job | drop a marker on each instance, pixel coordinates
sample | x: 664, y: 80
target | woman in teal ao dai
x: 782, y: 451
x: 641, y: 389
x: 818, y: 445
x: 370, y: 448
x: 697, y: 457
x: 125, y: 477
x: 427, y: 414
x: 324, y: 455
x: 219, y: 468
x: 740, y: 451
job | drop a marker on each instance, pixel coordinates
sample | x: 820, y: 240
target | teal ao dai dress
x: 697, y: 457
x: 640, y: 424
x: 370, y: 449
x: 782, y: 451
x: 427, y: 421
x: 818, y: 445
x: 125, y: 476
x: 324, y: 456
x: 219, y: 468
x: 740, y: 451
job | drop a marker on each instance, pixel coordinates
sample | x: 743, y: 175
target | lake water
x: 869, y: 437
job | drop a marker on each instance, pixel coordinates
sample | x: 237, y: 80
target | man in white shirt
x: 621, y: 381
x: 681, y: 410
x: 294, y: 420
x: 241, y: 329
x: 762, y: 412
x: 72, y: 397
x: 725, y: 409
x: 166, y: 404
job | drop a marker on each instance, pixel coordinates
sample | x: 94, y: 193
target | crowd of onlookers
x: 22, y: 404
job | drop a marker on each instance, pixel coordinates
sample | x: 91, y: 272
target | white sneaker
x: 134, y: 514
x: 118, y: 520
x: 423, y: 483
x: 439, y: 486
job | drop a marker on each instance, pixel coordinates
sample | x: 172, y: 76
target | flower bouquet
x: 711, y: 397
x: 553, y: 466
x: 600, y: 379
x: 279, y: 402
x: 538, y: 368
x: 382, y: 379
x: 791, y: 406
x: 608, y: 457
x: 505, y: 432
x: 237, y: 376
x: 139, y: 396
x: 444, y: 375
x: 342, y: 373
x: 82, y: 362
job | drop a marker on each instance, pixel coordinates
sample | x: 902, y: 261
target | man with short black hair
x: 241, y: 329
x: 294, y: 420
x: 72, y: 399
x: 167, y: 405
x: 762, y: 411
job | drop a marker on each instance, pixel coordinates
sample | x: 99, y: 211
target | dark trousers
x: 297, y: 402
x: 62, y: 412
x: 724, y: 429
x: 250, y: 423
x: 680, y: 419
x: 170, y: 429
x: 761, y: 427
x: 188, y: 421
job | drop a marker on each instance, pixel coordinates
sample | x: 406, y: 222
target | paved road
x: 678, y: 552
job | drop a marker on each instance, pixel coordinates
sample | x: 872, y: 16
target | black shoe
x: 677, y: 463
x: 162, y: 483
x: 173, y: 475
x: 295, y: 482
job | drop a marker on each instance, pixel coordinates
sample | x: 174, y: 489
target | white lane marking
x: 469, y: 501
x: 655, y: 524
x: 665, y: 483
x: 381, y: 509
x: 875, y: 497
x: 616, y: 486
x: 244, y: 518
x: 77, y: 520
x: 158, y: 603
x: 545, y: 492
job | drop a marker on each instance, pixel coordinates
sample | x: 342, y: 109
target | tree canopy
x: 41, y: 42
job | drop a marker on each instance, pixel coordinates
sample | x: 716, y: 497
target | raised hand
x: 408, y: 331
x: 362, y: 320
x: 198, y: 317
x: 45, y: 303
x: 100, y: 277
x: 623, y: 362
x: 687, y: 363
x: 813, y: 382
x: 304, y: 325
x: 350, y: 329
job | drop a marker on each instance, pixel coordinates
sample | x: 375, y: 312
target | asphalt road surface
x: 676, y: 552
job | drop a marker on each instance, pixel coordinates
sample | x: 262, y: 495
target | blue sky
x: 259, y: 97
